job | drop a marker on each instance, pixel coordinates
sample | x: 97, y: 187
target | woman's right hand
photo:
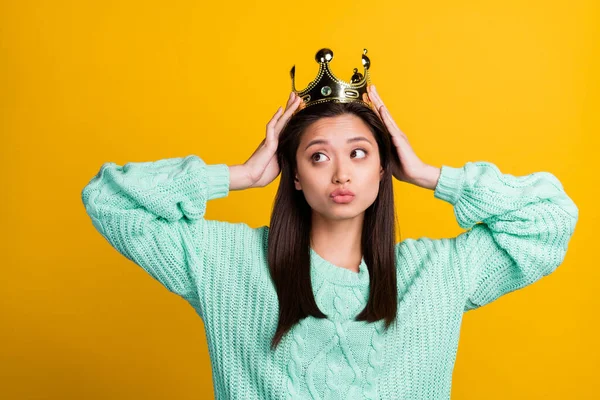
x: 262, y: 166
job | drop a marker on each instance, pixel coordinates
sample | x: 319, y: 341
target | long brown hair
x: 290, y: 227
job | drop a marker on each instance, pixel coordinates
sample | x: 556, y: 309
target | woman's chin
x: 337, y: 213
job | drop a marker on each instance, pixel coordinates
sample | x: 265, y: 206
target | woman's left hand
x: 411, y: 165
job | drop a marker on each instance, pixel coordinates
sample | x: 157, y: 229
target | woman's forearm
x: 427, y: 178
x: 238, y: 177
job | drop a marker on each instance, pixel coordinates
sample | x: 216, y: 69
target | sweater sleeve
x: 153, y: 214
x: 518, y: 228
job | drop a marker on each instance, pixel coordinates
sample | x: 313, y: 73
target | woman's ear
x: 297, y: 183
x: 381, y: 171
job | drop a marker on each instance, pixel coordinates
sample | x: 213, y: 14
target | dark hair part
x: 290, y: 227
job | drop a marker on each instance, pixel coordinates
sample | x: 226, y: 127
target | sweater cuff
x: 450, y: 184
x: 218, y: 180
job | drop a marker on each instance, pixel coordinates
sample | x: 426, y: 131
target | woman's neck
x: 339, y: 241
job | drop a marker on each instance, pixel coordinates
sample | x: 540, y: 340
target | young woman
x: 323, y: 304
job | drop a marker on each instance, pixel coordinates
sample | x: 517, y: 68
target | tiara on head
x: 327, y: 87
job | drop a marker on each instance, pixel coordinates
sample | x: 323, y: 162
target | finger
x: 391, y: 120
x: 392, y: 128
x: 271, y: 124
x: 285, y: 117
x: 291, y: 99
x: 387, y: 117
x: 376, y: 102
x: 379, y: 104
x: 274, y: 118
x: 387, y: 120
x: 367, y: 99
x: 287, y: 114
x: 375, y: 97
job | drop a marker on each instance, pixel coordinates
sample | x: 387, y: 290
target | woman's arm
x: 153, y: 214
x: 518, y: 227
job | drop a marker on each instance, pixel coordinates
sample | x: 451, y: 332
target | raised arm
x: 153, y: 214
x: 518, y: 227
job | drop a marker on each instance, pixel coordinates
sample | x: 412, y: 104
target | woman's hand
x: 411, y: 167
x: 262, y: 166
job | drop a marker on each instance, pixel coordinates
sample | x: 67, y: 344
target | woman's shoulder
x: 425, y: 256
x: 423, y: 248
x: 228, y: 241
x: 427, y: 263
x: 229, y: 229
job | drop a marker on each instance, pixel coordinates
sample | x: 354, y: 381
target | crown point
x: 324, y: 55
x: 365, y: 61
x: 356, y: 77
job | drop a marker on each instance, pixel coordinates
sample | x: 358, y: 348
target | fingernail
x: 291, y: 95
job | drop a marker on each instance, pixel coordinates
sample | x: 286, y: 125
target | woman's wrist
x: 238, y: 177
x: 427, y: 177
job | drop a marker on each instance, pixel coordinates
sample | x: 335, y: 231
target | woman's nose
x: 342, y: 173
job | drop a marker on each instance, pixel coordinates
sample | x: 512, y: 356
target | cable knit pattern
x: 517, y: 231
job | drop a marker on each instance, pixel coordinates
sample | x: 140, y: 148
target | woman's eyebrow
x: 323, y: 141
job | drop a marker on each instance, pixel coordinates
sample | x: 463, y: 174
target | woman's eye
x: 316, y: 154
x: 362, y: 151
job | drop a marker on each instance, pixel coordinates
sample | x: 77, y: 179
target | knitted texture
x: 517, y: 231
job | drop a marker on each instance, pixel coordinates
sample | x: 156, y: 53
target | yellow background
x: 83, y: 83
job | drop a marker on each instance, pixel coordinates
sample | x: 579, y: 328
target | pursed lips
x: 341, y: 192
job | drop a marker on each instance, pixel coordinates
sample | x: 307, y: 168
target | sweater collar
x: 338, y: 275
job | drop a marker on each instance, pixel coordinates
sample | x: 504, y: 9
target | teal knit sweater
x: 518, y: 229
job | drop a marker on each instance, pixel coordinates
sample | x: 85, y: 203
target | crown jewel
x: 327, y: 87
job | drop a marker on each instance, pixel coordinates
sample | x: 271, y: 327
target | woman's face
x: 338, y: 153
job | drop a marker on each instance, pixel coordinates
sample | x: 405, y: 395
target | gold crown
x: 327, y: 87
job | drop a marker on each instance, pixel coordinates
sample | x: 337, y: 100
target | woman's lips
x: 342, y: 199
x: 342, y: 192
x: 342, y: 196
